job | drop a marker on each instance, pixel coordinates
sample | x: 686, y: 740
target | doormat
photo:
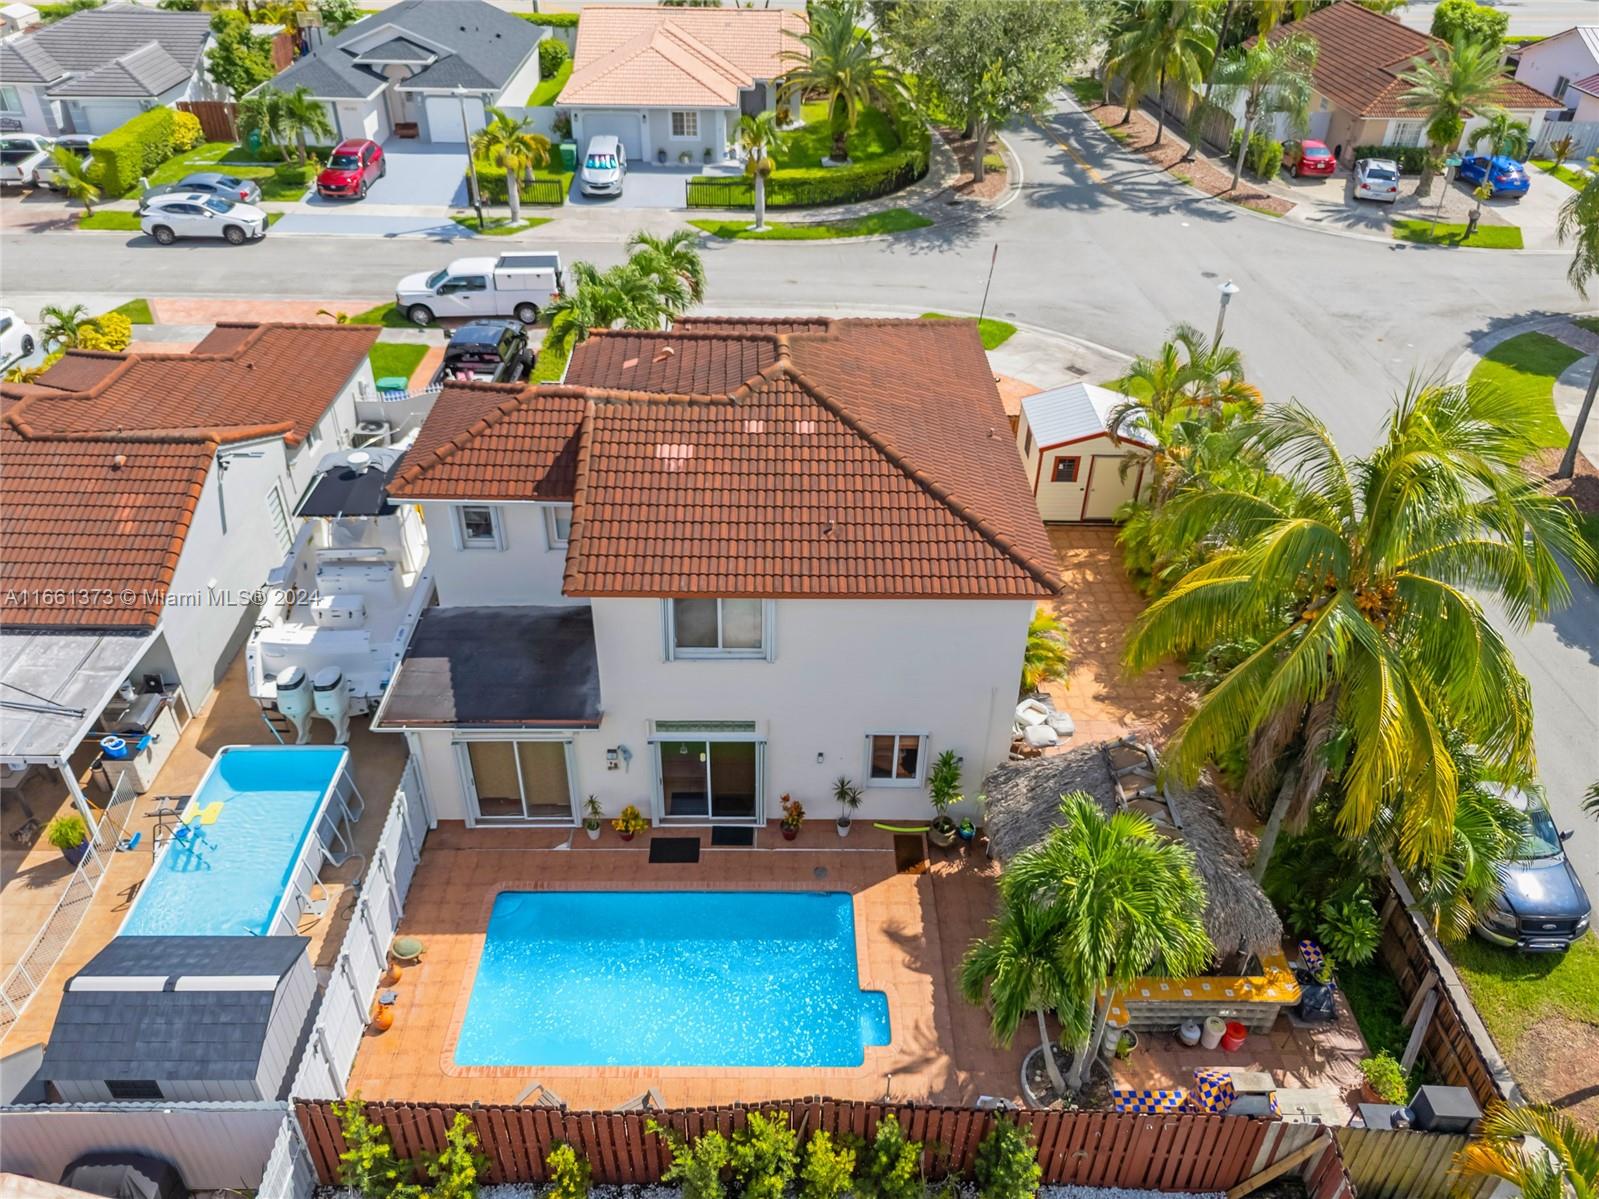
x: 733, y: 838
x: 674, y: 849
x: 910, y: 853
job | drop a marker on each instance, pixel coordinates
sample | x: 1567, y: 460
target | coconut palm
x: 1461, y: 82
x: 674, y: 256
x: 1172, y: 40
x: 72, y: 177
x: 302, y: 116
x: 1357, y: 582
x: 759, y: 137
x: 510, y: 143
x: 1562, y: 1163
x: 61, y: 325
x: 840, y: 60
x: 1047, y: 655
x: 1271, y: 76
x: 1124, y: 901
x: 1019, y: 968
x: 1579, y: 223
x: 1590, y: 801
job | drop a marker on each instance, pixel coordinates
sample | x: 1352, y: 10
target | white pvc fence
x: 289, y: 1172
x: 347, y: 1000
x: 1584, y: 137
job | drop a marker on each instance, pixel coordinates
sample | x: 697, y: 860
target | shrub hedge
x: 133, y: 149
x: 491, y: 182
x: 1264, y: 157
x: 552, y: 53
x: 555, y: 20
x: 1411, y: 159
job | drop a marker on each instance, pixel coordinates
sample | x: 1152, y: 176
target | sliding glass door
x: 709, y: 775
x: 518, y: 782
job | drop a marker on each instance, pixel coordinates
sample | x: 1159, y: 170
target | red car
x: 354, y: 166
x: 1309, y: 158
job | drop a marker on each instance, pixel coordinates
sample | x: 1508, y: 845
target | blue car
x: 1507, y: 176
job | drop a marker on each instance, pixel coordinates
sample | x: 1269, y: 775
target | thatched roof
x: 1024, y: 804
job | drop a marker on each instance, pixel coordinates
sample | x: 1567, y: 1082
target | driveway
x: 413, y: 199
x: 647, y: 186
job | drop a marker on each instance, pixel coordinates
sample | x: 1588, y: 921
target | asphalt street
x: 1098, y: 245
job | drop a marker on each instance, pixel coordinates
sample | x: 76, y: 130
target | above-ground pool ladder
x: 336, y: 851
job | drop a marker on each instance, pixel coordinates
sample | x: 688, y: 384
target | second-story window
x: 558, y: 525
x: 478, y: 527
x: 717, y: 628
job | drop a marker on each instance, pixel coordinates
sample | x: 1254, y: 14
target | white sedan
x: 16, y: 338
x: 1377, y: 179
x: 193, y: 214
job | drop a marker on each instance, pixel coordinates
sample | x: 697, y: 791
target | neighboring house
x: 1566, y: 66
x: 718, y: 565
x: 1077, y: 468
x: 143, y: 500
x: 16, y: 17
x: 1361, y: 56
x: 670, y: 81
x: 94, y: 70
x: 431, y: 64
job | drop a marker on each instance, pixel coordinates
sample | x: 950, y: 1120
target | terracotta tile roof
x: 677, y: 56
x: 858, y: 458
x: 1363, y: 53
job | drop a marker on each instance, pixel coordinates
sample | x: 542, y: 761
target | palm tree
x: 1461, y: 82
x: 1271, y: 76
x: 840, y: 60
x: 1504, y: 135
x: 675, y: 256
x: 262, y: 113
x: 1047, y: 655
x: 1579, y: 223
x: 1271, y: 13
x: 1123, y: 899
x: 628, y: 296
x: 510, y: 142
x: 60, y: 326
x: 301, y: 115
x: 1354, y: 580
x: 1020, y: 968
x: 759, y: 137
x: 1563, y: 1162
x: 72, y: 177
x: 1173, y: 40
x: 1210, y: 80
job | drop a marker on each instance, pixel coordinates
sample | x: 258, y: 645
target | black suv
x: 487, y: 352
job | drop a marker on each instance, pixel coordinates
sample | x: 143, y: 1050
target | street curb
x: 1536, y: 324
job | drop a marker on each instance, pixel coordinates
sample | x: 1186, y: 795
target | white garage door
x: 622, y: 125
x: 102, y: 116
x: 444, y: 118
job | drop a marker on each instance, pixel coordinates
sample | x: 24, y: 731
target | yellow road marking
x: 1094, y: 175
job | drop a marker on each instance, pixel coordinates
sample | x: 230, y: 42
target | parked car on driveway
x: 1542, y: 907
x: 195, y: 214
x: 16, y: 338
x: 354, y: 166
x: 1506, y: 176
x: 486, y: 352
x: 210, y: 183
x: 48, y: 172
x: 1308, y: 158
x: 20, y: 156
x: 1377, y: 179
x: 604, y: 167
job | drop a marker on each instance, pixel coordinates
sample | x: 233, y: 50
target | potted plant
x: 70, y: 835
x: 630, y: 823
x: 684, y: 158
x: 793, y: 817
x: 1384, y: 1080
x: 591, y: 818
x: 848, y: 796
x: 660, y: 155
x: 1126, y: 1043
x: 708, y: 154
x: 944, y: 789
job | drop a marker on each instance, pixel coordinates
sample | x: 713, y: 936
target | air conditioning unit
x: 372, y: 433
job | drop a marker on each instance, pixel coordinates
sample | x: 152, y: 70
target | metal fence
x: 1584, y: 138
x: 544, y: 191
x: 346, y: 1001
x: 1393, y: 1163
x: 45, y: 949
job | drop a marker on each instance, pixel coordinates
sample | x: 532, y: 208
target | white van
x: 516, y: 284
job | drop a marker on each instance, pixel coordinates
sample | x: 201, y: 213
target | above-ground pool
x: 670, y: 978
x: 239, y: 876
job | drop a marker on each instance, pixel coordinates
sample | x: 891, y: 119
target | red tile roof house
x: 718, y: 565
x: 143, y: 498
x: 1356, y: 100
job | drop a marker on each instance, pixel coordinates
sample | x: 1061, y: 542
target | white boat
x: 344, y: 600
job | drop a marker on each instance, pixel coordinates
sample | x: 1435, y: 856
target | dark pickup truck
x: 486, y: 352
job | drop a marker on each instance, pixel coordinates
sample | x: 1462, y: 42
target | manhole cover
x: 820, y: 872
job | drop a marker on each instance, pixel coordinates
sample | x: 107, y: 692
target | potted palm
x: 591, y: 817
x: 848, y: 796
x: 943, y: 788
x: 793, y: 817
x: 630, y: 823
x: 70, y: 835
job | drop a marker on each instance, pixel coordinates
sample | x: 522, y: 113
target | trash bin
x: 1215, y: 1027
x: 1233, y: 1039
x: 569, y: 156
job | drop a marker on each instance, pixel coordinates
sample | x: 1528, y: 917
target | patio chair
x: 644, y: 1101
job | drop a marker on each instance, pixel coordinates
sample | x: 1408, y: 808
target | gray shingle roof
x: 147, y: 71
x: 483, y: 48
x: 176, y: 957
x: 96, y: 38
x: 398, y: 49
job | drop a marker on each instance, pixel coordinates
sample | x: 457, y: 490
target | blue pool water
x: 670, y: 978
x: 233, y: 882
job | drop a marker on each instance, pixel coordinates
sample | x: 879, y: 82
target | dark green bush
x: 555, y: 20
x: 1007, y: 1162
x: 1265, y: 156
x: 133, y: 149
x: 543, y: 189
x: 293, y: 172
x: 1411, y: 159
x: 552, y: 53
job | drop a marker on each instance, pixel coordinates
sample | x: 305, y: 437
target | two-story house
x: 716, y: 566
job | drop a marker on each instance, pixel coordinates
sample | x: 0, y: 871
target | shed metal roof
x: 1073, y: 412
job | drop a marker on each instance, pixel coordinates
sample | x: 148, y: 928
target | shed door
x: 1107, y: 490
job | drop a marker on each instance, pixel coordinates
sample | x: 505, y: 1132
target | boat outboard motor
x: 330, y: 692
x: 294, y: 701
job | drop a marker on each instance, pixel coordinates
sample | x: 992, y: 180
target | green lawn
x: 994, y: 333
x: 551, y: 364
x: 549, y: 89
x: 811, y: 142
x: 1570, y: 176
x: 137, y: 311
x: 892, y: 220
x: 236, y: 160
x: 1487, y: 237
x: 1377, y: 1003
x: 1087, y: 89
x: 396, y: 358
x: 1514, y: 991
x: 501, y: 226
x: 1590, y: 323
x: 384, y: 314
x: 1529, y: 364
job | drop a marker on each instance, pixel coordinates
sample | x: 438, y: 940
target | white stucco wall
x: 334, y: 431
x: 526, y: 570
x: 1546, y: 63
x: 35, y: 111
x: 520, y: 85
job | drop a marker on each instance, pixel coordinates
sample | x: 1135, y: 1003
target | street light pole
x: 1228, y: 290
x: 471, y: 159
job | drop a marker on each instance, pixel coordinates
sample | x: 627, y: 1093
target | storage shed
x: 181, y: 1018
x: 1078, y: 469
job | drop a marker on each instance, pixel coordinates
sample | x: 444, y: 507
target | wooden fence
x: 1180, y: 1152
x: 218, y: 118
x: 1406, y: 1164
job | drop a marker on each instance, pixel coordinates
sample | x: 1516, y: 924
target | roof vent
x: 359, y: 460
x: 119, y: 462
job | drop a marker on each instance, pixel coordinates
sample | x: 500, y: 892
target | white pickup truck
x: 20, y: 155
x: 514, y: 284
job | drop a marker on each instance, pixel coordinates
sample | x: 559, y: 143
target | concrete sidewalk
x: 1569, y: 387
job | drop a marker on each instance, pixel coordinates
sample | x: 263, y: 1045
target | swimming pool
x: 241, y: 877
x: 670, y: 978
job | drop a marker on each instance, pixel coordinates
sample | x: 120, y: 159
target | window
x: 478, y: 528
x: 709, y: 771
x: 10, y: 100
x: 717, y: 628
x: 558, y: 525
x: 464, y: 283
x: 894, y: 759
x: 685, y: 124
x: 133, y: 1088
x: 1027, y: 446
x: 1065, y: 470
x: 279, y: 516
x: 1407, y: 133
x: 521, y: 782
x: 1559, y: 89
